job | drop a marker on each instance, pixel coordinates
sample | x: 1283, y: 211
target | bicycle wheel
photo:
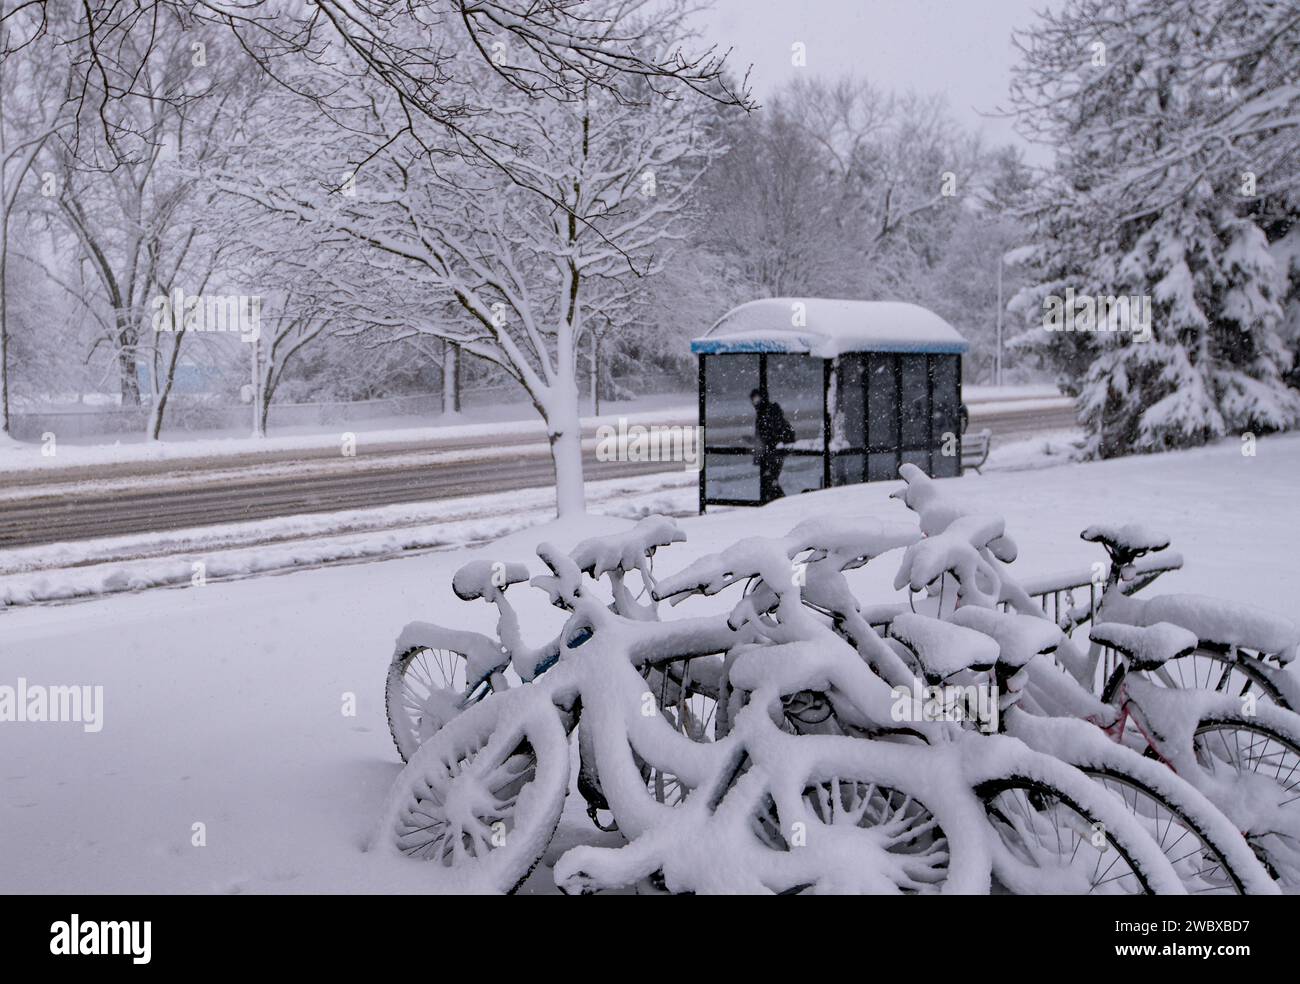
x: 863, y: 817
x: 425, y: 689
x: 1204, y: 847
x: 692, y: 709
x: 1260, y: 765
x: 1054, y: 845
x: 1208, y: 669
x: 482, y: 796
x: 914, y: 842
x: 1201, y: 864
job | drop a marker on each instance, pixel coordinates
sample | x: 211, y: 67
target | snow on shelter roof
x: 825, y: 328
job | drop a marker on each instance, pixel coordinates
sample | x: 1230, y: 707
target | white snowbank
x: 68, y: 571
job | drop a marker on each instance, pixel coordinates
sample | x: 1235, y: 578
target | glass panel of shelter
x: 730, y: 473
x: 911, y: 403
x: 796, y: 382
x: 730, y: 478
x: 945, y: 428
x: 883, y: 406
x: 728, y: 414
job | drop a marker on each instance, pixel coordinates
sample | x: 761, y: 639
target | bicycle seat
x: 484, y: 578
x: 1128, y: 539
x: 942, y: 648
x: 1019, y: 637
x: 1224, y: 624
x: 1146, y: 647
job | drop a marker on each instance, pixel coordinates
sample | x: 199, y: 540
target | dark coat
x: 771, y: 426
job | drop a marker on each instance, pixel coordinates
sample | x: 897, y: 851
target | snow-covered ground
x: 1040, y: 451
x: 223, y: 705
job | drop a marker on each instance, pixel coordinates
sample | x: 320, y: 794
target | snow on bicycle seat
x: 942, y: 648
x: 484, y: 578
x: 1019, y: 637
x: 851, y: 542
x: 1129, y: 538
x: 1145, y: 646
x: 598, y: 555
x: 1227, y: 624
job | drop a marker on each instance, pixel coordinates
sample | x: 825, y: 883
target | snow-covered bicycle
x: 1242, y: 755
x: 1208, y: 852
x: 484, y: 792
x: 764, y: 809
x: 1241, y: 650
x: 437, y: 671
x: 1032, y: 816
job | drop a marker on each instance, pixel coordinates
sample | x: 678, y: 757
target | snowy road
x: 225, y: 705
x: 114, y: 500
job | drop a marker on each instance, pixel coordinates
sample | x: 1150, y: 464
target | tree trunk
x: 450, y: 377
x: 564, y: 429
x: 270, y: 380
x: 266, y: 412
x: 164, y: 391
x: 595, y: 374
x: 4, y: 250
x: 130, y: 379
x: 4, y: 329
x: 260, y: 394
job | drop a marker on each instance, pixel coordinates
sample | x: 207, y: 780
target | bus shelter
x: 864, y: 385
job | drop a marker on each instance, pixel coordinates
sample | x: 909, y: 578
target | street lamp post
x: 997, y: 361
x: 256, y: 390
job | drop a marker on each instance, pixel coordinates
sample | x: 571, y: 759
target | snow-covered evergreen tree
x: 1176, y: 123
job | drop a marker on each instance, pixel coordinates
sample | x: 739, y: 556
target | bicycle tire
x: 1235, y: 881
x: 503, y: 764
x: 413, y: 716
x: 1278, y: 850
x: 1015, y: 864
x: 1184, y: 667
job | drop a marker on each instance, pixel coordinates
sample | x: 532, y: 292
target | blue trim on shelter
x: 708, y: 346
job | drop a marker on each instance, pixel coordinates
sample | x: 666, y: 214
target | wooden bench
x: 975, y: 450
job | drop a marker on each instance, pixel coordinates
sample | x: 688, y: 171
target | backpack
x: 785, y: 432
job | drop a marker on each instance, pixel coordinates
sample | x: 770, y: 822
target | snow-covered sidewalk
x: 225, y: 705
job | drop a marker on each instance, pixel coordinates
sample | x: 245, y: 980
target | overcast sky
x: 961, y: 48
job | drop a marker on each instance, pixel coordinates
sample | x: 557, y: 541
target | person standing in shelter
x: 771, y: 429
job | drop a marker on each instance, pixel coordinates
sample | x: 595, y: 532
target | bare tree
x: 524, y: 267
x: 140, y: 225
x: 838, y: 189
x: 325, y: 50
x: 27, y: 123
